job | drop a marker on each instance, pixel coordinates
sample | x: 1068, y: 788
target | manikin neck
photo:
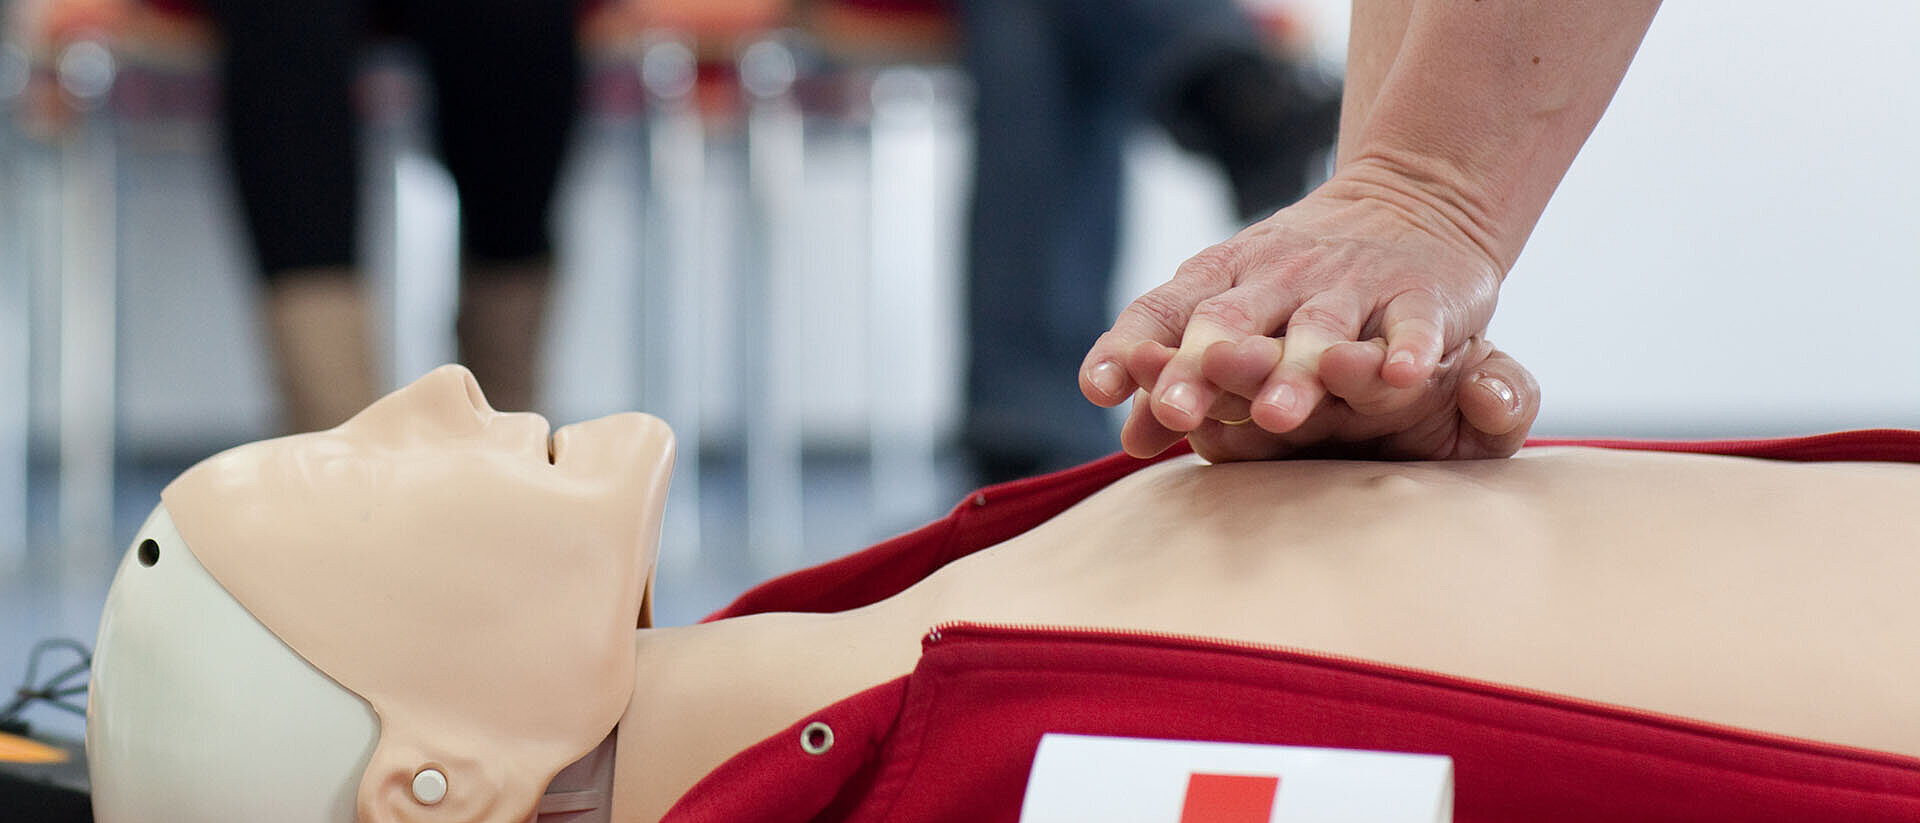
x: 583, y: 791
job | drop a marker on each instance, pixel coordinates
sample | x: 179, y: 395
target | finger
x: 1294, y: 389
x: 1241, y: 366
x: 1219, y: 443
x: 1142, y: 436
x: 1351, y: 372
x: 1231, y: 410
x: 1145, y: 363
x: 1160, y: 316
x: 1184, y: 395
x: 1102, y: 379
x: 1415, y: 327
x: 1498, y: 404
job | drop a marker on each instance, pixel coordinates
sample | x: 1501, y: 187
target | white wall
x: 1734, y: 250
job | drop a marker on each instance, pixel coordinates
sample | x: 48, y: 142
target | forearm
x: 1470, y: 111
x: 1376, y: 29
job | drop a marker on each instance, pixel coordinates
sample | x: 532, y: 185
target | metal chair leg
x: 15, y: 376
x: 411, y: 256
x: 671, y: 313
x: 88, y: 316
x: 902, y: 227
x: 775, y: 169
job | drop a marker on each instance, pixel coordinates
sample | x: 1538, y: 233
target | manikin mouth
x: 546, y: 433
x: 539, y: 434
x: 558, y: 440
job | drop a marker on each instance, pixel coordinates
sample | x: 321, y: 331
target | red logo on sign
x: 1229, y: 798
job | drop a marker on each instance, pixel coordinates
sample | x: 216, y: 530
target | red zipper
x: 965, y: 630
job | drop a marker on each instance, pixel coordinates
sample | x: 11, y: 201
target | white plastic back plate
x: 1132, y: 780
x: 198, y: 713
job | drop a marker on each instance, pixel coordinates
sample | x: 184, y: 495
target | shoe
x: 1269, y: 122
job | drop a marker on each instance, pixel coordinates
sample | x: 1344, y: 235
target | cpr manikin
x: 423, y: 614
x: 428, y: 614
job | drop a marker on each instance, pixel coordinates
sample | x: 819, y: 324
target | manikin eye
x: 148, y: 553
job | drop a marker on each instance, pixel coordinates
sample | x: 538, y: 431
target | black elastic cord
x: 54, y: 691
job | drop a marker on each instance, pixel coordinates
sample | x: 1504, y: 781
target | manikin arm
x: 1461, y: 118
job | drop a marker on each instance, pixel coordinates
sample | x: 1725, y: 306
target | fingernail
x: 1282, y: 398
x: 1399, y: 357
x: 1501, y: 390
x: 1181, y: 398
x: 1106, y: 377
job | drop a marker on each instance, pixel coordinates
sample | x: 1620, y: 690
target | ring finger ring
x: 1241, y: 422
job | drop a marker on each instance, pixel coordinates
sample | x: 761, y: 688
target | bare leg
x: 319, y: 323
x: 503, y: 309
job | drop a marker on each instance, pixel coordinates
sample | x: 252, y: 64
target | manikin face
x: 468, y: 587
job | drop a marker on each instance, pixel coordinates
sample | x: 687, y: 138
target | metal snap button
x: 816, y: 738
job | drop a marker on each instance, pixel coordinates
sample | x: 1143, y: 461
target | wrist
x: 1485, y: 105
x: 1431, y: 197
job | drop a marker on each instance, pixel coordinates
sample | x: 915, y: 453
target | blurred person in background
x: 504, y: 75
x: 1059, y: 85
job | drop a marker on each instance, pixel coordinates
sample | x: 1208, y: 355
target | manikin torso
x: 409, y: 563
x: 1770, y: 596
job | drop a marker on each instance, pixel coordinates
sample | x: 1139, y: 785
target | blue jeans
x: 1058, y: 83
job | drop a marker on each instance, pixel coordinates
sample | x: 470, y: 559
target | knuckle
x: 1420, y: 306
x: 1160, y: 309
x: 1321, y: 317
x: 1416, y: 334
x: 1420, y: 300
x: 1419, y: 324
x: 1230, y: 313
x: 1213, y: 264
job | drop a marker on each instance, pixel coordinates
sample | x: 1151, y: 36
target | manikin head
x: 432, y: 594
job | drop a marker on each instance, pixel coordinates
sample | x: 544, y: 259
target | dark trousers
x: 1058, y: 83
x: 504, y: 76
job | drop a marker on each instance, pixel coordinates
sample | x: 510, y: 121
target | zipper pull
x: 935, y: 634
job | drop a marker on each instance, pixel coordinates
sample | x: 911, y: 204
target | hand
x: 1477, y: 403
x: 1365, y: 255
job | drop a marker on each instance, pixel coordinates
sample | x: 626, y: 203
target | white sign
x: 1077, y: 778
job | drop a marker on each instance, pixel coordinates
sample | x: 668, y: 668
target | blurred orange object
x: 881, y: 31
x: 21, y: 750
x: 168, y: 34
x: 714, y: 25
x: 716, y: 17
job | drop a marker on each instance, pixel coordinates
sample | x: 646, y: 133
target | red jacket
x: 954, y: 740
